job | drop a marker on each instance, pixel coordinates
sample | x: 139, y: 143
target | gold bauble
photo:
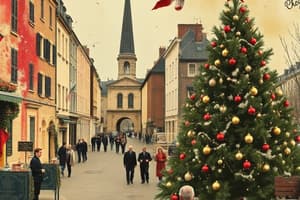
x: 298, y: 168
x: 285, y: 143
x: 217, y: 62
x: 205, y: 99
x: 220, y: 162
x: 266, y: 168
x: 212, y: 82
x: 292, y: 142
x: 276, y: 130
x: 225, y: 52
x: 188, y: 176
x: 216, y: 185
x: 238, y: 33
x: 258, y: 115
x: 168, y: 184
x: 226, y: 10
x: 287, y: 151
x: 191, y: 133
x: 221, y: 46
x: 223, y: 109
x: 235, y: 17
x: 248, y: 68
x: 221, y: 81
x: 235, y: 120
x: 239, y: 155
x: 261, y: 81
x: 177, y: 144
x: 248, y: 138
x: 253, y: 91
x: 279, y: 92
x: 206, y: 150
x: 287, y: 134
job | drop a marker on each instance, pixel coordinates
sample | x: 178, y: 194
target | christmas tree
x: 238, y: 131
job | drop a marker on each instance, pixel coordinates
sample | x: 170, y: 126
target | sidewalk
x: 103, y: 177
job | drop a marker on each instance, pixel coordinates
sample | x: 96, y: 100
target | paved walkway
x: 103, y: 177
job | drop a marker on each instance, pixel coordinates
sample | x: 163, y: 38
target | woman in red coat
x: 160, y: 162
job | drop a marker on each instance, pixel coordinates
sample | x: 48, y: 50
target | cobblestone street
x: 103, y: 177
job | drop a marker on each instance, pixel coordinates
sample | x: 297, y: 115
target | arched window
x: 126, y: 67
x: 120, y: 100
x: 130, y: 100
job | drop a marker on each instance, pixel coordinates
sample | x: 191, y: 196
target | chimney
x: 161, y: 51
x: 197, y: 28
x: 87, y: 50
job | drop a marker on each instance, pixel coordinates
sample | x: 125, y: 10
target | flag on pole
x: 162, y: 3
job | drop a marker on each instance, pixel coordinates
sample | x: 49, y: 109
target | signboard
x: 51, y: 179
x: 25, y: 146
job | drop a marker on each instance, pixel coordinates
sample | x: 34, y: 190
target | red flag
x: 3, y: 139
x: 162, y: 3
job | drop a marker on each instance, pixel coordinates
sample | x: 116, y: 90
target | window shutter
x: 47, y: 86
x: 54, y: 55
x: 31, y: 12
x: 40, y: 84
x: 38, y: 44
x: 31, y: 71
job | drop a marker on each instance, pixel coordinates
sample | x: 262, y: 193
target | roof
x: 159, y: 67
x: 191, y: 50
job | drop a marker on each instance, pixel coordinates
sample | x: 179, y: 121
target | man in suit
x: 129, y: 161
x: 37, y: 172
x: 144, y: 158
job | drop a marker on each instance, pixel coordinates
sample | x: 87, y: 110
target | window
x: 14, y: 15
x: 40, y: 84
x: 47, y: 50
x: 190, y: 90
x: 130, y: 100
x: 54, y: 55
x: 50, y: 16
x: 32, y: 129
x: 59, y: 96
x: 120, y: 100
x: 38, y: 44
x: 42, y: 9
x: 47, y: 86
x: 31, y: 74
x: 14, y: 65
x: 126, y: 67
x: 31, y: 12
x: 192, y: 69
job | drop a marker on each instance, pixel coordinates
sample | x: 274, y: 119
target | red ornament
x: 251, y: 110
x: 297, y: 138
x: 273, y: 96
x: 286, y: 103
x: 206, y: 66
x: 207, y: 117
x: 242, y: 1
x: 246, y: 164
x: 237, y: 99
x: 247, y: 20
x: 263, y: 63
x: 187, y: 123
x: 266, y: 76
x: 260, y: 52
x: 192, y: 97
x: 170, y: 171
x: 220, y: 136
x: 253, y: 41
x: 227, y: 28
x: 205, y: 168
x: 243, y: 9
x: 213, y: 43
x: 1, y: 37
x: 265, y: 147
x: 193, y: 142
x: 232, y: 61
x: 244, y: 50
x: 182, y: 156
x: 174, y: 197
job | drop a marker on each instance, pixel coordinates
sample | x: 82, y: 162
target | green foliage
x: 8, y: 111
x: 262, y: 117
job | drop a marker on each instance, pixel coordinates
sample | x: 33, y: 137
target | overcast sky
x: 98, y: 24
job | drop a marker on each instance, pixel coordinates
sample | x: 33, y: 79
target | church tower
x: 127, y: 58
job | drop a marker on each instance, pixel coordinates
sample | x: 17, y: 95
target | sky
x: 98, y: 24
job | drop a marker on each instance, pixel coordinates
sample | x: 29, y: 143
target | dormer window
x: 126, y: 67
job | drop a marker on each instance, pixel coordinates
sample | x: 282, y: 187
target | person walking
x: 186, y: 192
x: 93, y: 141
x: 70, y: 159
x: 144, y: 158
x: 37, y: 172
x: 98, y: 142
x: 105, y: 142
x: 118, y: 142
x: 84, y: 150
x: 160, y: 158
x: 129, y: 161
x: 111, y: 141
x: 62, y: 153
x: 79, y: 149
x: 123, y: 142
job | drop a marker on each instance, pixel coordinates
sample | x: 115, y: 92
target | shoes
x: 131, y: 182
x: 142, y: 182
x: 147, y: 181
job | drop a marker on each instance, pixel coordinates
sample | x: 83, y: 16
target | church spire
x: 127, y: 43
x: 126, y: 57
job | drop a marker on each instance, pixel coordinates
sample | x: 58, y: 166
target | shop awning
x: 10, y: 97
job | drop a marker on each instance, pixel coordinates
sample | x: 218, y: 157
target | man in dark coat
x: 93, y: 141
x: 37, y: 172
x: 62, y: 155
x: 144, y: 158
x: 129, y: 161
x: 105, y: 142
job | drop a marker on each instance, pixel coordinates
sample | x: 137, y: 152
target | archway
x: 125, y: 125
